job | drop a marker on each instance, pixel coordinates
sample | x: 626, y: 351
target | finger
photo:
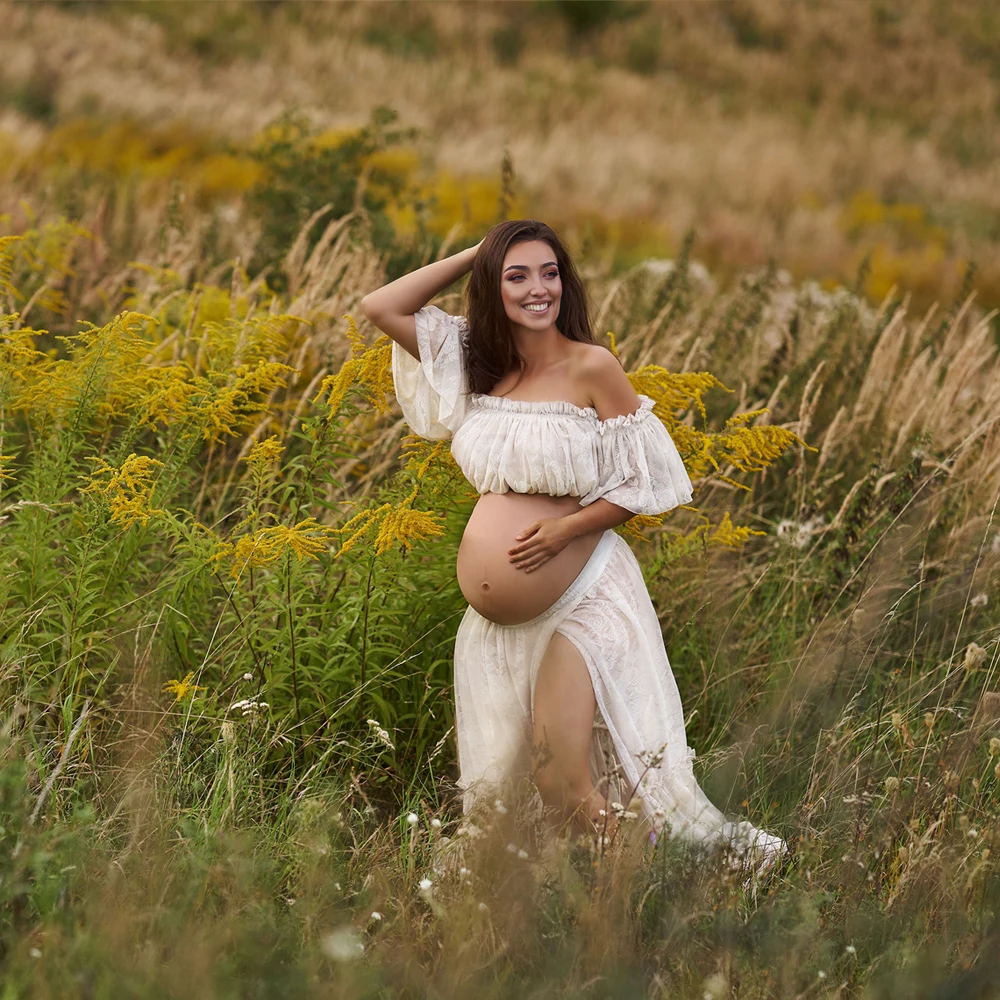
x: 530, y: 530
x: 525, y: 547
x: 535, y: 563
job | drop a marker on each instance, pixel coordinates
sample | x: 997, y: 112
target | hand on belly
x: 541, y: 541
x: 491, y: 583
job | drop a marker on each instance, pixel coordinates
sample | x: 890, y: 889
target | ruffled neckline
x: 532, y: 406
x: 562, y: 406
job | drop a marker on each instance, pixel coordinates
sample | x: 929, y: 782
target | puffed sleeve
x: 432, y: 391
x: 639, y: 467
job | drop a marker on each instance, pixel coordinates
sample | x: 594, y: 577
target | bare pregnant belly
x: 496, y: 588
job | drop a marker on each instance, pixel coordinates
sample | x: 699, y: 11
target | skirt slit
x: 639, y: 744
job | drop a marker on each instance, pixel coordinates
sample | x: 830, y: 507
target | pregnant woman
x: 560, y: 640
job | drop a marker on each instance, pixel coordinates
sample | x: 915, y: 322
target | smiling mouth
x: 537, y: 308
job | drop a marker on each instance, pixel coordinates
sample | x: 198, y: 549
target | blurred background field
x: 227, y: 594
x: 817, y: 133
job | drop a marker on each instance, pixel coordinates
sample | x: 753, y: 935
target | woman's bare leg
x: 563, y: 722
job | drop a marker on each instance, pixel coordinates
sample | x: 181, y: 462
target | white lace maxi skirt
x: 607, y: 614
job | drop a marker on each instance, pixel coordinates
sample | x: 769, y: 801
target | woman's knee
x: 560, y: 788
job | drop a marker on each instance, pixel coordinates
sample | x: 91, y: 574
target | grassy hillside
x: 816, y: 133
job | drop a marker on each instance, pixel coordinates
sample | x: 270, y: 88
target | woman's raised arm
x: 392, y: 306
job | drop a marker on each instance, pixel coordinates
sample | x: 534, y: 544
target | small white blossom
x: 851, y: 950
x: 425, y: 884
x: 522, y: 854
x: 978, y: 601
x: 821, y: 974
x: 413, y: 819
x: 376, y: 916
x: 35, y: 953
x: 380, y: 734
x: 512, y: 848
x: 483, y: 908
x: 500, y: 807
x: 436, y: 823
x: 248, y: 676
x: 342, y: 944
x: 715, y: 987
x: 463, y: 870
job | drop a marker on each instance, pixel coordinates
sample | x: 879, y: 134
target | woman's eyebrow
x: 524, y: 267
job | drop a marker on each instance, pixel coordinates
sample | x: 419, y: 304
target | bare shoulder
x: 602, y: 379
x: 594, y: 361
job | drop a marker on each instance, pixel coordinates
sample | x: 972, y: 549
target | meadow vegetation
x: 227, y: 592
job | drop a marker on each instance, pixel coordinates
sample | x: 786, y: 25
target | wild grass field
x: 227, y: 590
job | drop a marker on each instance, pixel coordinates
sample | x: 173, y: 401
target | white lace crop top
x: 553, y: 447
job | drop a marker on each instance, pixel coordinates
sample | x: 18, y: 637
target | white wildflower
x: 436, y: 823
x: 424, y: 884
x: 380, y: 734
x: 500, y: 807
x: 376, y: 916
x: 851, y: 950
x: 522, y: 854
x: 975, y: 656
x: 978, y: 601
x: 248, y: 676
x: 342, y: 944
x: 483, y: 908
x: 35, y: 953
x: 512, y: 848
x: 715, y: 987
x: 821, y: 974
x: 798, y: 533
x: 413, y: 819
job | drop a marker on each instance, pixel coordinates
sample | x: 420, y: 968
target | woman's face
x: 530, y: 285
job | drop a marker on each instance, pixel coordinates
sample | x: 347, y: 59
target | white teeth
x: 537, y: 308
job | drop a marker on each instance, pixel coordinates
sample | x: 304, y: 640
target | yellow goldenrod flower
x: 306, y: 540
x: 368, y: 370
x: 128, y: 490
x: 263, y: 455
x: 398, y: 523
x: 182, y: 688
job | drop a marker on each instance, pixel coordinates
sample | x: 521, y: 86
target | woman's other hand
x: 539, y: 542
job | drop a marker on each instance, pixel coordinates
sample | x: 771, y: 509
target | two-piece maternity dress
x: 562, y: 449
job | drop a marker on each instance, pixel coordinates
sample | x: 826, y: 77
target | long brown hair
x: 491, y: 353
